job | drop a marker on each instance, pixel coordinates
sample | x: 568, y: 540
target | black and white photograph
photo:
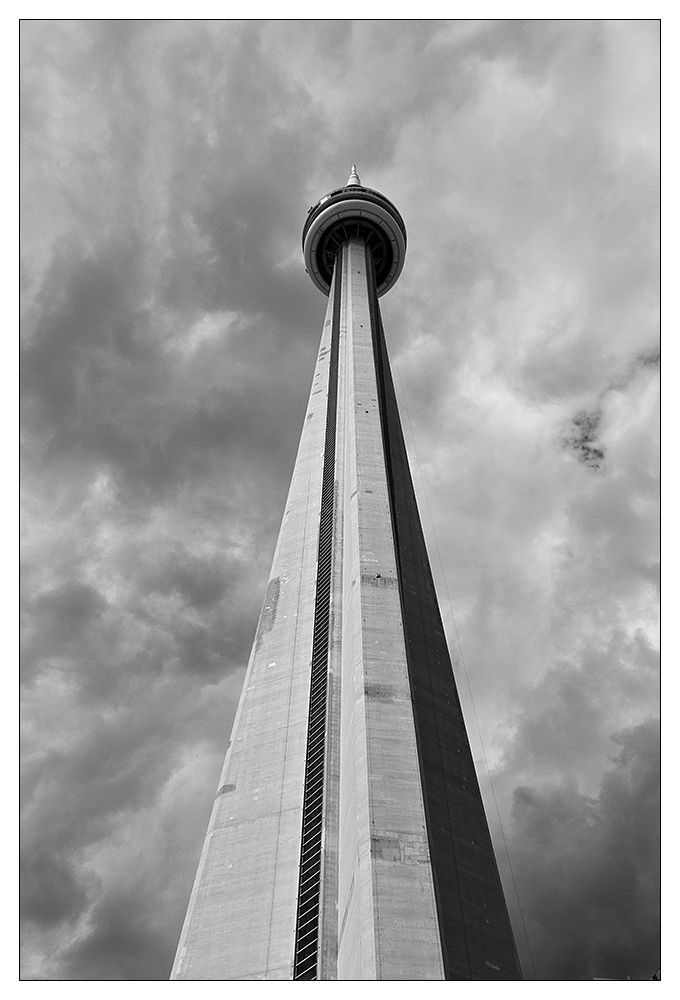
x: 339, y: 382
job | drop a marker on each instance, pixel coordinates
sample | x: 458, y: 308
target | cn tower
x: 348, y: 839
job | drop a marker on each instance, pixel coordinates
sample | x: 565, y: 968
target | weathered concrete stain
x: 268, y: 615
x: 407, y: 848
x: 381, y: 692
x: 378, y: 580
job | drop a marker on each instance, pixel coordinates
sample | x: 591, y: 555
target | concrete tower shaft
x: 348, y: 838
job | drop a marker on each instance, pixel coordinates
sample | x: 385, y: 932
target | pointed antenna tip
x: 353, y: 177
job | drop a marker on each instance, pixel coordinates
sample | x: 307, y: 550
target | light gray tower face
x: 348, y: 838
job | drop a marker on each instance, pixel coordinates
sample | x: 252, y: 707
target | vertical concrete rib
x: 476, y: 933
x: 387, y: 911
x: 241, y: 919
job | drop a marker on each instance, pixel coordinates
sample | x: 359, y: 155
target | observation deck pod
x: 354, y: 211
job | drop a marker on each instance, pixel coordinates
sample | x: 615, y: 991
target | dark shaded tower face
x: 348, y: 838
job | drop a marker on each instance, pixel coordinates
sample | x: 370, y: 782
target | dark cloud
x: 200, y: 581
x: 92, y: 325
x: 582, y: 438
x: 51, y: 892
x: 123, y: 944
x: 588, y: 868
x: 99, y: 389
x: 651, y: 357
x: 69, y: 609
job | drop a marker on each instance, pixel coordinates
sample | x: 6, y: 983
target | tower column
x: 241, y: 917
x: 348, y: 838
x: 387, y: 915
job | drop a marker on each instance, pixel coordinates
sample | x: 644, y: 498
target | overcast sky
x: 169, y: 337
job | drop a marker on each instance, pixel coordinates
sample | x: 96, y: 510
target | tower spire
x: 353, y: 177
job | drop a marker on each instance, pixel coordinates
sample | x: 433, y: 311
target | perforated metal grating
x: 309, y: 891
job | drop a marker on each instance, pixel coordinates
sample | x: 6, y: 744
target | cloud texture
x: 169, y: 332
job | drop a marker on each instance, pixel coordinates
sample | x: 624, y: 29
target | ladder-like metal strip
x: 309, y: 892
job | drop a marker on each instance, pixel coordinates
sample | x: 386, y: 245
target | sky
x: 169, y: 333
